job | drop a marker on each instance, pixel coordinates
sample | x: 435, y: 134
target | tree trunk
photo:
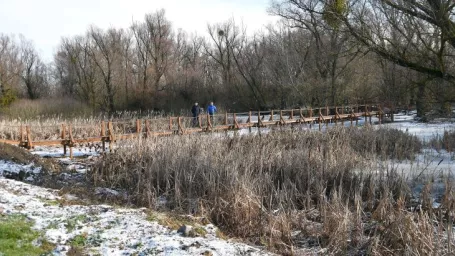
x: 420, y: 102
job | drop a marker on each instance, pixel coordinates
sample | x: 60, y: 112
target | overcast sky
x: 45, y: 22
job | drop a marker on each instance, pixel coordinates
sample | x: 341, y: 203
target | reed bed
x: 295, y: 191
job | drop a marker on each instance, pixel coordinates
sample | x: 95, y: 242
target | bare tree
x: 331, y: 44
x: 34, y: 70
x: 106, y: 52
x: 10, y: 69
x: 154, y: 40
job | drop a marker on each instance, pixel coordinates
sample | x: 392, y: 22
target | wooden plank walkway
x: 203, y: 123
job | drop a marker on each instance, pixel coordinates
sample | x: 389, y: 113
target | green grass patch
x: 17, y: 237
x: 79, y: 240
x: 75, y: 222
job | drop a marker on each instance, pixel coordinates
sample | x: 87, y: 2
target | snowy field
x: 106, y: 230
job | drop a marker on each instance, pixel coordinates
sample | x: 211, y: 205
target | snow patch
x: 107, y: 230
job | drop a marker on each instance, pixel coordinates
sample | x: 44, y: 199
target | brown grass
x: 446, y: 142
x: 283, y: 188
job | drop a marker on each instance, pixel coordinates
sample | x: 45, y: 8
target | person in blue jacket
x: 211, y: 110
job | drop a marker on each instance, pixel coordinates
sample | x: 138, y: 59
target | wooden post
x: 170, y: 123
x: 199, y: 119
x: 342, y: 112
x: 29, y: 138
x: 63, y: 136
x: 336, y: 115
x: 179, y: 124
x: 282, y: 122
x: 351, y: 116
x: 259, y: 119
x: 259, y: 122
x: 249, y: 121
x: 147, y: 128
x: 138, y: 127
x: 226, y: 118
x: 103, y: 135
x: 311, y: 117
x: 271, y: 116
x: 320, y: 120
x: 209, y: 122
x: 110, y: 129
x: 291, y: 116
x: 70, y: 131
x: 236, y: 124
x: 301, y: 115
x: 103, y: 129
x: 21, y: 137
x: 369, y: 114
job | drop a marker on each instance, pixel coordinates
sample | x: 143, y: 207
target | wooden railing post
x: 282, y: 122
x: 63, y: 137
x: 138, y: 127
x: 311, y: 117
x: 22, y: 136
x: 259, y: 119
x: 29, y: 137
x: 321, y: 118
x: 226, y: 118
x: 147, y: 128
x: 291, y: 116
x: 70, y: 131
x: 236, y: 124
x: 271, y: 116
x: 179, y: 125
x: 336, y: 115
x: 111, y: 135
x: 209, y: 122
x: 103, y: 135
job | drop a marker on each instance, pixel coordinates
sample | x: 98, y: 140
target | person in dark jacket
x: 195, y: 110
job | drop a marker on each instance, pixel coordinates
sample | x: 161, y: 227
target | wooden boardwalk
x: 112, y: 131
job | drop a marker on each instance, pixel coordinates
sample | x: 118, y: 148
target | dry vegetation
x: 288, y: 190
x: 446, y: 142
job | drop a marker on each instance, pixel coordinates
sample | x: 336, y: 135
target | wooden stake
x: 29, y: 138
x: 71, y: 141
x: 179, y: 123
x: 21, y: 137
x: 147, y: 128
x: 226, y: 118
x: 271, y: 115
x: 110, y: 129
x: 209, y: 122
x: 138, y: 126
x: 236, y: 124
x: 103, y: 129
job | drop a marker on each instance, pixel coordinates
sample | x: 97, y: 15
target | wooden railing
x: 111, y: 131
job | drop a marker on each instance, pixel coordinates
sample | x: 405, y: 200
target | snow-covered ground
x: 107, y: 230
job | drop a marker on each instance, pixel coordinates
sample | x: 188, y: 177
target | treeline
x: 319, y: 54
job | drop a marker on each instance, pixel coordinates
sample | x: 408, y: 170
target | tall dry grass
x: 291, y: 190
